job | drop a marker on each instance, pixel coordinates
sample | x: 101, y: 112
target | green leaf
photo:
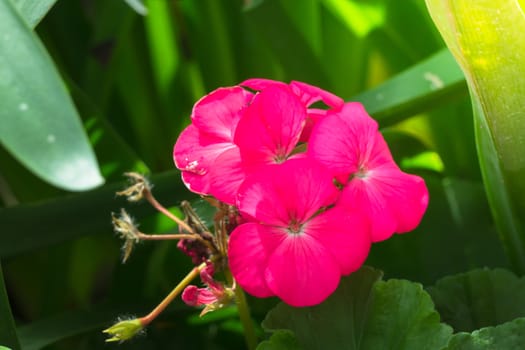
x: 280, y: 340
x: 486, y: 38
x: 510, y: 335
x: 365, y: 313
x: 40, y: 126
x: 457, y: 222
x: 33, y: 11
x: 479, y: 298
x: 137, y: 6
x: 73, y: 216
x: 420, y: 88
x: 115, y: 155
x: 8, y: 334
x: 44, y: 332
x: 286, y: 40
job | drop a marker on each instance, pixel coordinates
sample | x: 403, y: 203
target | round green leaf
x: 280, y: 340
x: 510, y: 335
x: 365, y: 313
x: 479, y: 298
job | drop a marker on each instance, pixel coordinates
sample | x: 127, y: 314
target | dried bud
x: 127, y: 230
x: 195, y: 249
x: 139, y: 185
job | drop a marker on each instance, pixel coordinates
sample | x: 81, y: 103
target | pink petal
x: 194, y: 154
x: 226, y: 175
x: 407, y: 196
x: 207, y: 278
x: 310, y: 94
x: 218, y: 113
x: 302, y: 272
x: 313, y: 116
x: 346, y: 234
x: 285, y: 193
x: 259, y: 84
x: 249, y: 248
x: 194, y: 296
x: 393, y: 200
x: 271, y: 126
x: 347, y: 140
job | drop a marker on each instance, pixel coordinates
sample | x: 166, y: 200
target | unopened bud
x: 124, y: 330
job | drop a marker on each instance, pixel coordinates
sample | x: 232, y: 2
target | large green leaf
x: 69, y: 217
x: 508, y: 336
x: 8, y: 334
x: 486, y: 38
x: 479, y: 298
x: 365, y: 313
x: 422, y: 87
x: 33, y: 11
x: 40, y: 125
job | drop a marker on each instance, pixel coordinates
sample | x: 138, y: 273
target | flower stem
x: 244, y: 314
x: 173, y: 294
x: 165, y: 237
x: 149, y: 197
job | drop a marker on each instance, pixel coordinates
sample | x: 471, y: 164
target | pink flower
x: 234, y: 131
x: 205, y: 148
x: 213, y: 297
x: 295, y: 247
x: 270, y: 128
x: 307, y: 94
x: 349, y: 144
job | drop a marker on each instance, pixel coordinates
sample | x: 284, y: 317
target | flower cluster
x: 314, y: 187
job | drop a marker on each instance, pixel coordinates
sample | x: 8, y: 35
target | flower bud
x: 124, y: 330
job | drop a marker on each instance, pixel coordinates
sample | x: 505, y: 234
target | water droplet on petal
x: 193, y: 167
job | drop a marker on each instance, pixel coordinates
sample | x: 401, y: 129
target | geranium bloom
x: 307, y: 94
x: 234, y: 131
x: 213, y: 297
x: 349, y: 144
x: 206, y: 147
x: 271, y: 127
x: 294, y: 247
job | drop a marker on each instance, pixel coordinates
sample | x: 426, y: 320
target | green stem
x: 173, y: 294
x: 244, y: 314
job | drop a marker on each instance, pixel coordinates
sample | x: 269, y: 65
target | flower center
x: 362, y: 172
x: 295, y: 227
x: 280, y: 154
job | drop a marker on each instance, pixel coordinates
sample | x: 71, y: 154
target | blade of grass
x: 287, y: 42
x: 41, y: 333
x: 420, y: 88
x: 8, y: 336
x: 73, y: 216
x: 162, y: 43
x: 486, y: 38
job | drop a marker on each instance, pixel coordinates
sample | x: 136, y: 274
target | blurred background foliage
x: 134, y: 78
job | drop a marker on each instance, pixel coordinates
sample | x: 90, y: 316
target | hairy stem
x: 173, y: 294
